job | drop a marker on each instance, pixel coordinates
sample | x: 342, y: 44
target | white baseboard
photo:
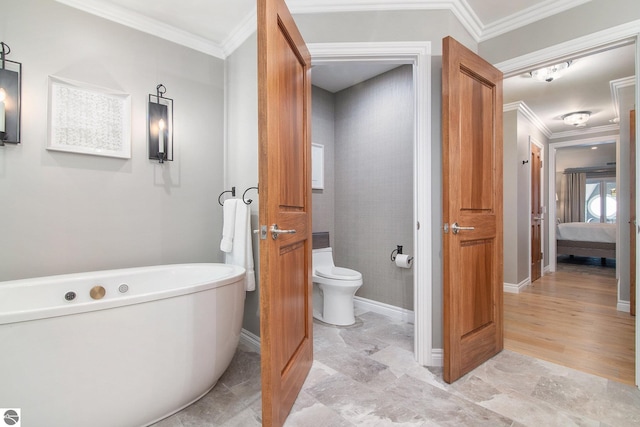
x: 515, y: 289
x: 250, y: 340
x: 547, y: 269
x: 624, y: 306
x: 437, y: 358
x: 392, y: 311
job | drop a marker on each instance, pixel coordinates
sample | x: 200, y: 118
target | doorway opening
x: 418, y: 55
x: 580, y: 49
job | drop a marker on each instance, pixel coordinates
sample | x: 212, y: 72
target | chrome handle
x: 455, y: 228
x: 275, y: 231
x: 538, y: 218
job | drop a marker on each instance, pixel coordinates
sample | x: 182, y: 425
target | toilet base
x: 334, y: 307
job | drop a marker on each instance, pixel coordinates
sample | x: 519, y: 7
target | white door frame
x: 419, y: 55
x: 583, y: 45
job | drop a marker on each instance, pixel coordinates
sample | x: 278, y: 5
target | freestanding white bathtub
x: 157, y: 341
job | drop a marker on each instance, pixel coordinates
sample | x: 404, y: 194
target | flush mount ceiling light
x: 548, y: 74
x: 577, y: 119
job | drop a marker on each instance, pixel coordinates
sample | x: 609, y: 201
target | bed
x: 589, y: 239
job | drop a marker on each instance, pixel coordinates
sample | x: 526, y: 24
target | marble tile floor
x: 365, y: 375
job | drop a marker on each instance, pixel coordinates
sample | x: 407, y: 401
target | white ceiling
x: 217, y: 27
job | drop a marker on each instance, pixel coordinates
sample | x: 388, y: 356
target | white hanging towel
x: 242, y: 252
x: 228, y: 224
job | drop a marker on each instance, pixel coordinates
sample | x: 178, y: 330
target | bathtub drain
x: 123, y: 288
x: 70, y: 296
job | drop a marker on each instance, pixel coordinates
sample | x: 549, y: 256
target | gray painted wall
x: 65, y: 212
x: 527, y: 130
x: 623, y: 250
x: 323, y: 133
x: 241, y: 149
x: 517, y: 181
x: 510, y: 195
x: 374, y: 183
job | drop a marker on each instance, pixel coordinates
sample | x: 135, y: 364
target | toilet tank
x: 322, y: 257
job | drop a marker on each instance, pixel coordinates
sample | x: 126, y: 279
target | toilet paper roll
x: 404, y: 261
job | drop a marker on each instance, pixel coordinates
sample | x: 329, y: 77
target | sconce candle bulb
x: 3, y: 96
x: 161, y: 136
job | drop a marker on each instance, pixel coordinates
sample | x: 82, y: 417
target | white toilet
x: 333, y: 289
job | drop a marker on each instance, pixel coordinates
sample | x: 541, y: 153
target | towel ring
x: 233, y: 194
x: 248, y: 201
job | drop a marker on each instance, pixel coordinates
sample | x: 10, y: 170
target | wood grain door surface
x: 472, y: 198
x: 536, y: 213
x: 286, y: 326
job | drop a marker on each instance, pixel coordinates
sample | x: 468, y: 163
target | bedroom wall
x: 66, y: 212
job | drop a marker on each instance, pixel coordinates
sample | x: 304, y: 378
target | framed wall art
x: 88, y: 119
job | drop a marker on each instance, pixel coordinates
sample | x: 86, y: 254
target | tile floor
x: 365, y: 375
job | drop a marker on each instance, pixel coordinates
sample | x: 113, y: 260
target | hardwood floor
x: 569, y: 317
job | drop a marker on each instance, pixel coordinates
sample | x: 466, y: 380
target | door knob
x: 455, y: 228
x: 275, y: 231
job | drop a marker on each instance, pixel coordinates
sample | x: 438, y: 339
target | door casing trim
x: 419, y: 55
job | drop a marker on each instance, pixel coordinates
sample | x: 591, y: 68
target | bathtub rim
x: 66, y: 309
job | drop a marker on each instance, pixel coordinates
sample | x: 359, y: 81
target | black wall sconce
x: 10, y: 90
x: 160, y: 126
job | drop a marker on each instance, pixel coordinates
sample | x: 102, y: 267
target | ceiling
x: 216, y: 28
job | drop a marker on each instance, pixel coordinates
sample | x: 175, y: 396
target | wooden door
x: 472, y: 201
x: 536, y: 213
x: 632, y: 216
x: 284, y: 101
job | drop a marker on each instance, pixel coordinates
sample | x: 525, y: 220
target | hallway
x: 569, y: 317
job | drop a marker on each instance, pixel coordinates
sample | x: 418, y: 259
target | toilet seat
x: 338, y: 273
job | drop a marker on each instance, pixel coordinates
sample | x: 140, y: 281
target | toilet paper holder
x: 397, y: 251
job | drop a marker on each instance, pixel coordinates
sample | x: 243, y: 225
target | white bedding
x: 587, y: 232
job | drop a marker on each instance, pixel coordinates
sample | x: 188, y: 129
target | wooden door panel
x: 293, y: 298
x: 286, y: 328
x: 477, y: 297
x: 476, y: 164
x: 472, y: 198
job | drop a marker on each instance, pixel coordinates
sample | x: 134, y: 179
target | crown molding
x: 460, y: 9
x: 528, y: 113
x: 616, y: 85
x: 586, y: 131
x: 527, y: 16
x: 610, y: 37
x: 146, y: 25
x: 242, y: 32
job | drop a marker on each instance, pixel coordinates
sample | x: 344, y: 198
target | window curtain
x: 573, y: 200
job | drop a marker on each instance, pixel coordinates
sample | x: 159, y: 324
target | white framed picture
x: 88, y: 119
x: 317, y: 166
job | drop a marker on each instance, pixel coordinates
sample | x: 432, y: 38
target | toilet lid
x: 338, y: 273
